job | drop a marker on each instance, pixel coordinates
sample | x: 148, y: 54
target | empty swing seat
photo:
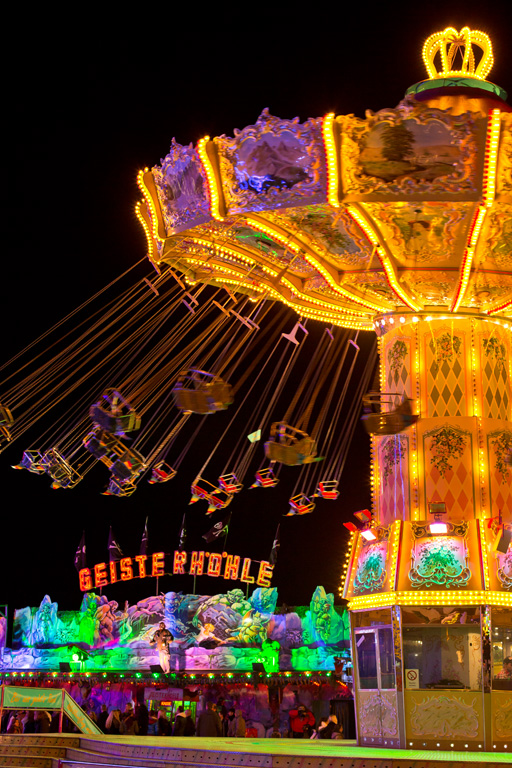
x: 128, y: 466
x: 6, y: 417
x: 289, y: 445
x: 265, y: 478
x: 59, y: 469
x: 392, y: 422
x: 31, y: 460
x: 99, y: 443
x: 114, y: 414
x: 116, y: 488
x: 201, y: 392
x: 328, y: 489
x: 161, y: 473
x: 300, y: 505
x: 229, y: 483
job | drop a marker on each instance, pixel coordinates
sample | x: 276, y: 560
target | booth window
x: 443, y: 657
x: 501, y: 642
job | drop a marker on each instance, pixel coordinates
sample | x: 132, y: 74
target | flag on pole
x: 183, y: 535
x: 80, y: 554
x: 275, y: 548
x: 144, y: 540
x: 114, y: 550
x: 219, y: 529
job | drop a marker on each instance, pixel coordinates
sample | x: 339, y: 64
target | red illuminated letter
x: 100, y: 575
x: 158, y: 564
x: 180, y: 558
x: 85, y: 579
x: 141, y: 560
x: 246, y: 567
x: 126, y: 569
x: 265, y: 574
x: 196, y: 564
x: 232, y: 566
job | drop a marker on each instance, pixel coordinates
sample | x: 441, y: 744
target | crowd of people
x: 215, y: 720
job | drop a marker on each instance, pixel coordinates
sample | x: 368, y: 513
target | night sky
x: 86, y: 109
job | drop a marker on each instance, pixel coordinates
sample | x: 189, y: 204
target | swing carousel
x: 397, y: 224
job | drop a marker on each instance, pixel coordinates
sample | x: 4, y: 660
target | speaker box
x: 64, y: 666
x: 155, y: 668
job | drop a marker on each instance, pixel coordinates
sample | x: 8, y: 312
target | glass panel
x: 387, y: 658
x: 366, y: 659
x: 371, y: 618
x: 446, y: 657
x: 501, y: 640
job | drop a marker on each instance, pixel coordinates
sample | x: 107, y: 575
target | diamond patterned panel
x: 451, y: 479
x: 495, y: 355
x: 394, y: 474
x: 500, y: 475
x: 446, y: 386
x: 398, y: 364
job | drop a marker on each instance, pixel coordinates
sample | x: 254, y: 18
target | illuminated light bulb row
x: 424, y: 597
x: 346, y: 564
x: 305, y: 297
x: 491, y: 157
x: 144, y: 225
x: 467, y: 261
x: 449, y: 36
x: 414, y: 433
x: 473, y: 370
x: 211, y: 181
x: 483, y: 550
x: 397, y: 528
x: 338, y: 320
x: 331, y: 160
x: 481, y: 467
x: 295, y: 248
x: 150, y: 203
x: 374, y: 477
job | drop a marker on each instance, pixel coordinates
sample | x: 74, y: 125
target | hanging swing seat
x: 114, y: 414
x: 328, y: 489
x: 289, y: 445
x: 300, y: 505
x: 31, y: 460
x: 161, y: 473
x: 377, y: 421
x: 265, y: 478
x: 201, y: 392
x: 128, y: 466
x: 230, y: 484
x: 60, y: 470
x: 99, y: 443
x: 216, y: 497
x: 6, y: 417
x: 5, y: 435
x: 116, y: 488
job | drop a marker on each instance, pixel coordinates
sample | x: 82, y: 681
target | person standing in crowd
x: 129, y: 724
x: 240, y: 725
x: 30, y: 723
x: 161, y: 638
x: 179, y: 722
x: 113, y: 724
x: 190, y: 727
x: 102, y: 718
x: 209, y: 722
x: 163, y: 726
x: 302, y: 721
x: 142, y: 715
x: 229, y: 723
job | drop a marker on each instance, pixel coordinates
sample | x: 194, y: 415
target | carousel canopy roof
x: 342, y: 218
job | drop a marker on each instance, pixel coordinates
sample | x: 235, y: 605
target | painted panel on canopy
x: 433, y: 287
x: 374, y: 284
x: 423, y: 234
x: 334, y: 233
x: 272, y: 164
x: 273, y: 251
x: 181, y: 188
x: 504, y: 169
x: 412, y: 152
x: 495, y: 242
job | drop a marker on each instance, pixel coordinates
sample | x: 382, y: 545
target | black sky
x: 87, y: 106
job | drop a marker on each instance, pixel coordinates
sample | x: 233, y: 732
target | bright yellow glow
x: 374, y: 239
x: 211, y: 180
x: 150, y: 202
x: 424, y: 597
x: 149, y: 239
x: 296, y: 248
x: 483, y: 547
x: 448, y: 43
x: 395, y: 546
x: 491, y: 156
x: 331, y: 160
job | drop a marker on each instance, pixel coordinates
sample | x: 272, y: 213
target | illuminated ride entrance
x: 399, y: 223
